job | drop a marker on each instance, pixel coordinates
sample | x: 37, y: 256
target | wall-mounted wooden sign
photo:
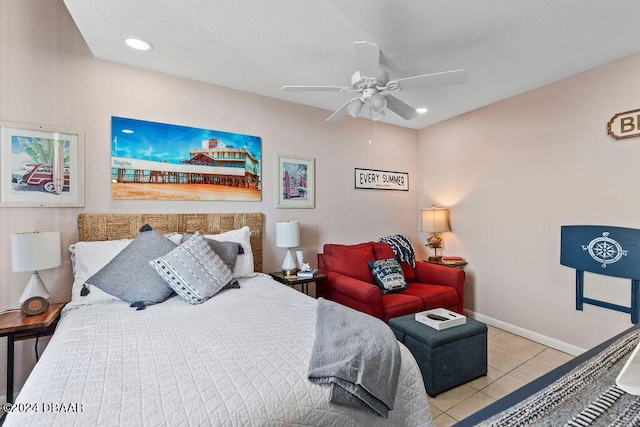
x: 381, y: 180
x: 624, y: 125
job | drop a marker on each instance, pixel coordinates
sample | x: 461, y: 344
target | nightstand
x: 294, y: 280
x: 16, y: 326
x: 453, y: 263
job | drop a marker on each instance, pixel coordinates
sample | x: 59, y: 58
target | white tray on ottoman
x: 453, y: 319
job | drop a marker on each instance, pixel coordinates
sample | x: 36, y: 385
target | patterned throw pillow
x: 193, y: 270
x: 228, y: 251
x: 388, y: 275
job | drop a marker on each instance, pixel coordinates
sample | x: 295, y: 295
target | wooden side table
x: 294, y: 280
x: 454, y: 263
x: 16, y: 326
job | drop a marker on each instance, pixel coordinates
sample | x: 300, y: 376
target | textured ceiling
x: 507, y: 47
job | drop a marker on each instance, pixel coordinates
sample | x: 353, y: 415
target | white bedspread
x: 239, y: 359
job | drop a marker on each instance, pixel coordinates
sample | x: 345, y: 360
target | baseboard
x: 525, y: 333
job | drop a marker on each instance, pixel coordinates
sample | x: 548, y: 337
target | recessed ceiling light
x: 137, y: 44
x: 422, y: 110
x: 127, y: 131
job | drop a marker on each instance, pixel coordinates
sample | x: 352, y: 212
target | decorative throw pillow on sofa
x: 129, y: 276
x: 193, y: 270
x: 388, y: 275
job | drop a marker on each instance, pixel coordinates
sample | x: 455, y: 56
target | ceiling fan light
x: 378, y: 102
x: 377, y: 115
x: 354, y: 107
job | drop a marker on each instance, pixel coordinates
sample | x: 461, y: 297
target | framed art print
x: 296, y: 182
x: 40, y: 166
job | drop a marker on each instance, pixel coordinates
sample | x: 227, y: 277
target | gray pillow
x: 193, y: 270
x: 228, y: 251
x: 129, y: 276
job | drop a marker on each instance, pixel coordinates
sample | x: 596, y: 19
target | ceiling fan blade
x: 368, y: 56
x: 429, y: 80
x: 405, y: 111
x: 315, y: 88
x: 342, y: 111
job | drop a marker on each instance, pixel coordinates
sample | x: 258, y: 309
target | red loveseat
x: 351, y: 283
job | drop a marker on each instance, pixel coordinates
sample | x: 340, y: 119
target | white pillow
x: 90, y: 257
x: 174, y: 237
x: 244, y: 263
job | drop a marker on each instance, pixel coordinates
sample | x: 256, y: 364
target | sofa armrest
x: 355, y: 293
x: 442, y: 275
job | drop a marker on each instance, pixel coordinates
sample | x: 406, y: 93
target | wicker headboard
x: 95, y: 227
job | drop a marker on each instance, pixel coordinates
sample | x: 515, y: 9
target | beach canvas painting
x: 158, y: 161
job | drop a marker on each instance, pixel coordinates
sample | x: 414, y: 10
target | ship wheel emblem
x: 605, y: 250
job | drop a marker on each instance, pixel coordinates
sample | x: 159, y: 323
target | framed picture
x: 372, y: 179
x: 161, y: 161
x: 296, y: 182
x: 40, y: 166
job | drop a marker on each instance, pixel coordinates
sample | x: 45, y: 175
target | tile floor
x: 513, y: 362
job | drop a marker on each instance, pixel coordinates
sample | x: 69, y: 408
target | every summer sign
x: 381, y: 180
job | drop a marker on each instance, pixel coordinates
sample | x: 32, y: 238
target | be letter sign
x: 624, y: 125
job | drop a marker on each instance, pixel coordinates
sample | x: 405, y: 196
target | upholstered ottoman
x: 448, y: 357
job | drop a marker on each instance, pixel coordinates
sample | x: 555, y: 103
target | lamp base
x: 34, y: 288
x: 290, y: 273
x: 289, y: 265
x: 435, y: 258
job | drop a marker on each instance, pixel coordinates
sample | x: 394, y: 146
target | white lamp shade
x: 354, y: 107
x: 35, y: 251
x: 378, y: 102
x: 287, y: 234
x: 435, y: 220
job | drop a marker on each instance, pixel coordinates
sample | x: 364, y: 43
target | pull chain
x: 370, y: 123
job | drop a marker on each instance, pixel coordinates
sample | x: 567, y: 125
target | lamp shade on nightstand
x: 435, y: 220
x: 32, y: 252
x: 288, y: 236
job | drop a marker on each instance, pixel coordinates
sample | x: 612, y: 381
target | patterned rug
x: 586, y: 396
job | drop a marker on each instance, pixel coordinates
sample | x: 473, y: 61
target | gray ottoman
x: 446, y: 358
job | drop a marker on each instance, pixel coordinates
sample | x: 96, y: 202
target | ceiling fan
x: 374, y: 86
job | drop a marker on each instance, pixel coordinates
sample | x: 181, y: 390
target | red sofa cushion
x: 434, y: 296
x: 400, y: 303
x: 350, y: 260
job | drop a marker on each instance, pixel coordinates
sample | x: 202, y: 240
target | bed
x: 240, y: 358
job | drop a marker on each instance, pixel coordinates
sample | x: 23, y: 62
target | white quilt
x: 240, y: 359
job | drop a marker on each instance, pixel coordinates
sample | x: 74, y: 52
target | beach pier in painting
x: 167, y: 162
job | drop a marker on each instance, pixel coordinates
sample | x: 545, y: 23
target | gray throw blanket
x: 358, y: 355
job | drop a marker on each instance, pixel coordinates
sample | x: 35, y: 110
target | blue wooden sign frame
x: 606, y: 250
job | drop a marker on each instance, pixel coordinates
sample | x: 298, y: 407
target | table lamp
x: 288, y: 236
x: 32, y: 252
x: 434, y: 221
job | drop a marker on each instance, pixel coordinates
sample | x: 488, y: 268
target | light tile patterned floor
x: 513, y: 362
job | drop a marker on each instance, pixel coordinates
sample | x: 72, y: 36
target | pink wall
x: 48, y: 77
x: 514, y: 173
